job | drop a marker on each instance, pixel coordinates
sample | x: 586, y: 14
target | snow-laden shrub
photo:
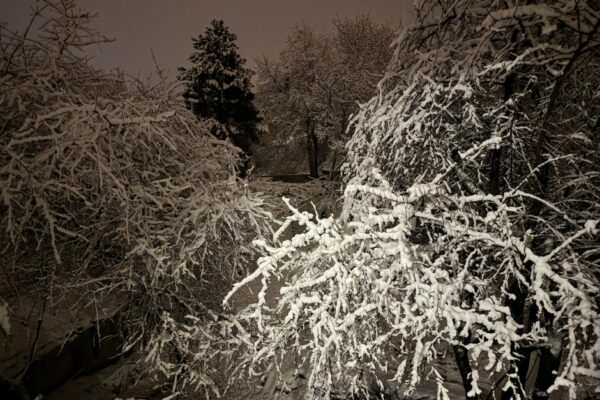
x: 469, y: 219
x: 388, y: 287
x: 112, y: 188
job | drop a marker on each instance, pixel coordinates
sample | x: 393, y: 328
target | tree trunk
x: 464, y: 367
x: 496, y: 154
x: 522, y: 314
x: 313, y: 151
x: 517, y: 372
x: 333, y: 165
x: 494, y: 178
x: 494, y: 181
x: 548, y: 366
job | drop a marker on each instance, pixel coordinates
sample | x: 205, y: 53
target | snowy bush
x: 469, y: 219
x: 111, y: 187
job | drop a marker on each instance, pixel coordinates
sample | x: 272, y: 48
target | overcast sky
x: 166, y: 26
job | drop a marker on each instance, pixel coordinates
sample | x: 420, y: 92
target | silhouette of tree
x: 218, y: 88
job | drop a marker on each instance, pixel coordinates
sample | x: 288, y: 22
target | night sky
x: 166, y: 26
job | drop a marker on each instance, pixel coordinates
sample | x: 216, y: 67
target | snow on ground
x: 37, y: 328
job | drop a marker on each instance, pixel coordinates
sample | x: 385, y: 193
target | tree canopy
x: 218, y: 87
x: 315, y: 85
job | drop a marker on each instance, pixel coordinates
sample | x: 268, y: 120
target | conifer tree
x: 218, y: 88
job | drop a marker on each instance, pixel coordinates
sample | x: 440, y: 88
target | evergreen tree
x: 218, y: 87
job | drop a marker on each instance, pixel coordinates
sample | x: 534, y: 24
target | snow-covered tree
x: 114, y: 194
x: 315, y: 85
x: 288, y: 93
x: 469, y: 220
x: 362, y: 51
x: 218, y: 87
